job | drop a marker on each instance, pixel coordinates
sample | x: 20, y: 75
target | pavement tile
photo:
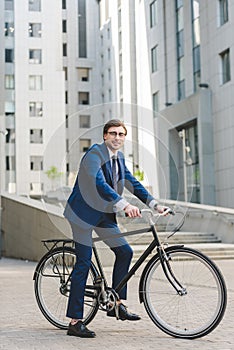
x: 22, y: 326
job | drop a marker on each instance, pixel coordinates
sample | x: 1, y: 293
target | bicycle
x: 183, y: 291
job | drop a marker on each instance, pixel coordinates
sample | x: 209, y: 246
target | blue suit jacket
x: 93, y: 196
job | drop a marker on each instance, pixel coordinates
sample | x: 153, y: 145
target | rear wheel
x: 201, y: 305
x: 52, y: 287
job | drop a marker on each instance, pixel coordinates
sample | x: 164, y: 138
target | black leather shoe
x: 80, y: 330
x: 123, y: 314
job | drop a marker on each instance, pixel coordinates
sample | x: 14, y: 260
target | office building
x: 163, y: 66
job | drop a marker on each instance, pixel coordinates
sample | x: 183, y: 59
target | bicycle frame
x: 154, y: 244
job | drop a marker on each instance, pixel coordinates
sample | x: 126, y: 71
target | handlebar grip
x: 170, y: 211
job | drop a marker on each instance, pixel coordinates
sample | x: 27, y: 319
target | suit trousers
x: 83, y: 248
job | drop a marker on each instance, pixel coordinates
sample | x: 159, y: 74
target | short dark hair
x: 113, y: 122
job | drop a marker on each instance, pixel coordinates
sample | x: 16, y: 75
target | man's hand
x: 163, y: 209
x: 132, y: 211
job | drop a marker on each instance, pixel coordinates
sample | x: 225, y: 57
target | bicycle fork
x: 165, y: 262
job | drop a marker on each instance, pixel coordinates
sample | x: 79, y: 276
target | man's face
x: 114, y: 138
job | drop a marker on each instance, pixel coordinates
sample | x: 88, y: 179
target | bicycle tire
x: 198, y: 312
x: 51, y: 296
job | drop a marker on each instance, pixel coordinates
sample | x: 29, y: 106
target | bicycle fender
x: 156, y: 256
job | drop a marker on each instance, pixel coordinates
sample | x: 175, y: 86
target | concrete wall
x: 25, y: 222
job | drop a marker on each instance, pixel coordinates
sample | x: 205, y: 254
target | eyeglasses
x: 114, y: 134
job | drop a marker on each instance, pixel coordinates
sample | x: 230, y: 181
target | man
x: 95, y: 199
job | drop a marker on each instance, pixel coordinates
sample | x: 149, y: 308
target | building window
x: 36, y: 136
x: 196, y: 59
x: 64, y: 24
x: 34, y: 30
x: 181, y: 79
x: 35, y: 82
x: 35, y: 109
x: 10, y: 163
x: 9, y: 5
x: 155, y: 103
x: 10, y: 108
x: 120, y: 62
x: 180, y: 18
x: 119, y: 18
x: 85, y: 121
x: 64, y: 50
x: 9, y: 82
x: 35, y: 56
x: 83, y: 74
x: 83, y: 98
x: 10, y: 136
x: 120, y: 85
x: 84, y: 144
x: 180, y: 49
x: 223, y: 11
x: 64, y: 5
x: 34, y: 5
x: 82, y: 28
x: 225, y: 66
x: 196, y: 43
x: 9, y: 29
x: 180, y: 43
x: 154, y: 67
x: 120, y: 40
x: 36, y: 163
x: 179, y: 3
x: 9, y: 55
x: 181, y: 89
x: 153, y: 13
x: 65, y: 72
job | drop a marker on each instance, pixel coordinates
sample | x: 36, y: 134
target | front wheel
x: 199, y: 308
x: 52, y: 287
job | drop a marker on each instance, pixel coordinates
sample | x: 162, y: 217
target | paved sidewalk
x: 22, y: 326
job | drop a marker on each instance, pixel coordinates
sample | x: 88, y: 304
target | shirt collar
x: 111, y: 154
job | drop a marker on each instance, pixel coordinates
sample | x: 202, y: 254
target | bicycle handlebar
x: 153, y: 213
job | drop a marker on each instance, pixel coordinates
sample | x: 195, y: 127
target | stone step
x: 178, y: 237
x: 214, y: 251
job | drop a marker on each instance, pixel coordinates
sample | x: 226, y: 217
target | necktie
x: 114, y: 173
